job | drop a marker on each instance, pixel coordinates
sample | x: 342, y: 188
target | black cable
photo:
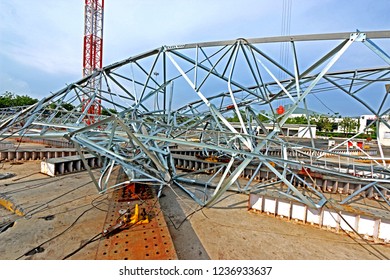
x: 354, y: 239
x: 73, y: 200
x: 92, y: 203
x: 62, y: 195
x: 327, y: 107
x: 56, y: 236
x: 93, y: 239
x: 24, y: 177
x: 69, y: 210
x: 5, y: 226
x: 31, y: 187
x: 39, y: 185
x: 185, y: 219
x: 63, y: 212
x: 36, y: 249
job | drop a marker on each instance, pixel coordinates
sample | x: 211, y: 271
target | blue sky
x: 41, y: 40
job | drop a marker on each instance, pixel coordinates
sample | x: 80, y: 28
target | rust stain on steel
x: 141, y: 241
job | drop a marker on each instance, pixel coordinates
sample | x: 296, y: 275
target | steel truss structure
x: 179, y: 97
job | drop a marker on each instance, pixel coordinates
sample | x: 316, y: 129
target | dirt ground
x: 22, y: 171
x: 64, y: 212
x: 228, y: 231
x: 61, y: 213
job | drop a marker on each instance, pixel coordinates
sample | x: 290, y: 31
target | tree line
x: 9, y: 99
x: 323, y: 123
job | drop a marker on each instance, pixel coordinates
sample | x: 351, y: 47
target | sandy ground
x: 23, y: 171
x: 61, y: 214
x: 229, y: 231
x: 66, y: 211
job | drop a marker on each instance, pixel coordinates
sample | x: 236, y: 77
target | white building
x: 290, y: 130
x: 365, y: 120
x: 384, y: 134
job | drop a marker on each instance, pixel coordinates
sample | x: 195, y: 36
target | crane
x: 92, y: 55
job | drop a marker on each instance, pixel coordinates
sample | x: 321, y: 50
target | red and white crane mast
x: 93, y: 53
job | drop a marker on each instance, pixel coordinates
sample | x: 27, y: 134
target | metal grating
x: 139, y: 242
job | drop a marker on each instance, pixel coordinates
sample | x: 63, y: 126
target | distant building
x: 299, y: 112
x: 303, y: 131
x: 290, y: 130
x: 384, y: 134
x: 340, y: 128
x: 365, y: 120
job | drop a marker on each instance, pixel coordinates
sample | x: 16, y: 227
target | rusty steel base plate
x: 151, y: 241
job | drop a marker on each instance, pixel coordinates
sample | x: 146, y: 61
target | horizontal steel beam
x: 291, y: 38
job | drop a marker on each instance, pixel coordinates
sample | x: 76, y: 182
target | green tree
x: 109, y: 112
x: 323, y: 123
x: 9, y: 99
x: 328, y: 125
x: 348, y: 125
x: 263, y: 118
x: 62, y: 108
x: 297, y: 120
x: 371, y: 131
x: 235, y: 116
x: 64, y: 105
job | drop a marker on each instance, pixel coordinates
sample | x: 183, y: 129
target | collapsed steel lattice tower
x: 188, y: 103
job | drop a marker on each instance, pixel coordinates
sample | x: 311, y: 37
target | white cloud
x: 47, y: 35
x: 132, y: 27
x: 13, y: 84
x: 43, y: 35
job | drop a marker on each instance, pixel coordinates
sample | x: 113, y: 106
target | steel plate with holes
x: 139, y: 242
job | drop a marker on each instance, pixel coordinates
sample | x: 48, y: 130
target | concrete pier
x: 324, y: 183
x: 64, y: 165
x: 60, y: 143
x: 36, y: 154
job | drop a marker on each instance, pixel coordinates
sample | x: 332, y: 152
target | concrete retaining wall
x: 61, y: 143
x: 370, y: 227
x: 328, y: 185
